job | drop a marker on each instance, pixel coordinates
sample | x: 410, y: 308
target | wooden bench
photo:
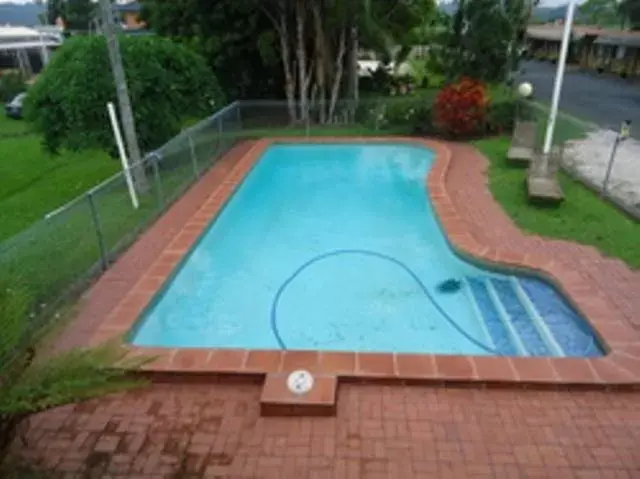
x: 542, y: 182
x: 523, y: 142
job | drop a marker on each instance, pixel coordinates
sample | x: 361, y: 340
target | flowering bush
x: 460, y: 108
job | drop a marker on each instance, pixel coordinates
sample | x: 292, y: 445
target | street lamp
x: 525, y: 90
x: 557, y: 87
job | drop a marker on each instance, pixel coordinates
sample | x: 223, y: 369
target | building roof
x: 553, y: 32
x: 130, y: 7
x: 17, y: 38
x: 627, y: 41
x: 13, y: 32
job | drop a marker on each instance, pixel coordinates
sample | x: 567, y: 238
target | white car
x: 367, y: 67
x: 13, y: 109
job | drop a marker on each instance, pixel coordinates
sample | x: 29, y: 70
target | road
x: 602, y: 100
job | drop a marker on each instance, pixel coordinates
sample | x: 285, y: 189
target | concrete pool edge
x: 620, y: 368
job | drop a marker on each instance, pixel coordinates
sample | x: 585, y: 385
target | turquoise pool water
x: 336, y: 247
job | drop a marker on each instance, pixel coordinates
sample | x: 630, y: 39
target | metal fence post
x: 155, y: 159
x: 219, y: 121
x: 194, y: 157
x: 98, y: 228
x: 607, y: 176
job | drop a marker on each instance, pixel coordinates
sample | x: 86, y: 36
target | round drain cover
x: 300, y: 382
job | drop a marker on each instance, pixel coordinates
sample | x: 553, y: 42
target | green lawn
x: 10, y: 127
x: 567, y: 127
x: 53, y: 254
x: 34, y: 183
x: 583, y: 217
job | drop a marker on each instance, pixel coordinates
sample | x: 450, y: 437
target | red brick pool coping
x: 620, y: 368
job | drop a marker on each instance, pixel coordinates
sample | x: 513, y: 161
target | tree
x: 485, y: 39
x: 339, y: 29
x: 167, y: 83
x: 305, y: 45
x: 279, y: 13
x: 518, y: 14
x: 631, y: 10
x: 55, y: 10
x: 237, y: 41
x: 78, y: 14
x: 602, y: 12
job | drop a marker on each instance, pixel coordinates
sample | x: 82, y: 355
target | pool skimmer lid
x: 300, y: 382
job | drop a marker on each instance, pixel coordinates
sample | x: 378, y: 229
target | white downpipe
x: 123, y: 155
x: 557, y: 87
x: 44, y: 53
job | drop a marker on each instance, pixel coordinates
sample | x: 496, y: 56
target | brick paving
x: 487, y: 221
x: 214, y: 430
x: 379, y: 432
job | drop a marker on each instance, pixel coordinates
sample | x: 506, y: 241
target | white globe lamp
x: 525, y: 90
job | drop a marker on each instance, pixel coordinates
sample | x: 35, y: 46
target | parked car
x: 13, y: 109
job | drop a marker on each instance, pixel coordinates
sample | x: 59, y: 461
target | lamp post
x: 524, y: 92
x: 557, y: 86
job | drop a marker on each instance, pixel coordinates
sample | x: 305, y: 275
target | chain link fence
x: 60, y: 254
x: 586, y: 152
x: 395, y: 115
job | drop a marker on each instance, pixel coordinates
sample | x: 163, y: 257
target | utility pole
x: 557, y: 86
x: 122, y: 92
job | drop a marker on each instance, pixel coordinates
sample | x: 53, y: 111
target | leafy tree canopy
x: 167, y: 82
x: 631, y: 10
x: 485, y: 39
x: 237, y: 41
x: 77, y: 14
x: 601, y: 12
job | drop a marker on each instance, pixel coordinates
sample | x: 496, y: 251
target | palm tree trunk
x: 353, y: 65
x: 290, y: 83
x: 279, y: 21
x: 321, y: 57
x: 303, y: 76
x: 337, y: 79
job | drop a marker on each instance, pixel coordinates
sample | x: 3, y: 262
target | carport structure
x: 26, y: 48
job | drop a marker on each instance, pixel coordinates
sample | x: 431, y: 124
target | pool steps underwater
x: 516, y: 326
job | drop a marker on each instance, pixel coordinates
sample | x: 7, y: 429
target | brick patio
x: 379, y: 431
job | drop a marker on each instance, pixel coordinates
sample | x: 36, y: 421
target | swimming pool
x: 336, y: 247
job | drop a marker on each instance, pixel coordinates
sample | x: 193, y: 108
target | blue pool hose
x: 425, y: 290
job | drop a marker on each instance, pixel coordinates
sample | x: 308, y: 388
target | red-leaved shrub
x: 460, y: 108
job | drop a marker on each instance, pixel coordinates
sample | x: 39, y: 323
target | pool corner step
x: 544, y: 331
x: 278, y: 400
x: 506, y: 318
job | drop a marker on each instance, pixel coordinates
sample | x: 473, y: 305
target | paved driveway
x: 603, y: 100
